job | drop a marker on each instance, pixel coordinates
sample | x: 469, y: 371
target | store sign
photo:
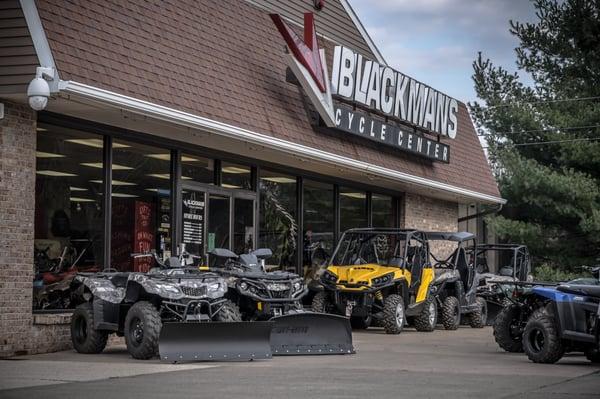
x: 385, y: 90
x: 379, y: 88
x: 362, y: 124
x: 193, y: 218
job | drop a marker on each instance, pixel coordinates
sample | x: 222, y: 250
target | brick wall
x: 17, y: 197
x: 430, y: 214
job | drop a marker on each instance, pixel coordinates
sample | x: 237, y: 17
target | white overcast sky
x: 436, y: 41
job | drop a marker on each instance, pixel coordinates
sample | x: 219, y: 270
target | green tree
x: 543, y: 133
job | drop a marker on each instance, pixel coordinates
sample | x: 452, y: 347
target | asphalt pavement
x: 444, y: 364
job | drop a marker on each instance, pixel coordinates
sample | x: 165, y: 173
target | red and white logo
x: 307, y: 61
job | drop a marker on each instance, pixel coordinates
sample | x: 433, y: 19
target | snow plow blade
x: 214, y: 341
x: 311, y: 334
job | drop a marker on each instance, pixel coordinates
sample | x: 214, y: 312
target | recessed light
x: 163, y: 191
x: 279, y: 179
x: 98, y: 165
x: 167, y: 157
x: 115, y: 182
x: 79, y: 199
x: 96, y: 143
x: 235, y: 170
x: 166, y: 176
x: 54, y: 173
x: 42, y: 154
x: 41, y: 129
x: 225, y: 185
x: 77, y: 189
x: 123, y: 195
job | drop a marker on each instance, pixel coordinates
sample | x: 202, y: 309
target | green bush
x: 545, y: 272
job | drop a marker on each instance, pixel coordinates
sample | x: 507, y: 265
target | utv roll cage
x: 401, y: 257
x: 519, y: 265
x: 459, y: 258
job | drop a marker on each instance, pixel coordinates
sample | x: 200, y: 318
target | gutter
x: 189, y: 120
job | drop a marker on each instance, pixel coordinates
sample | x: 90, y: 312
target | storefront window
x: 141, y: 204
x: 383, y: 211
x: 353, y: 209
x: 243, y: 226
x: 236, y: 176
x: 197, y: 169
x: 68, y: 211
x: 278, y: 229
x: 318, y: 225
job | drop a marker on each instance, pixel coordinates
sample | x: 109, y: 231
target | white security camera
x: 38, y: 90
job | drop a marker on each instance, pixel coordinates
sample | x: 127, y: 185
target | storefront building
x: 173, y: 122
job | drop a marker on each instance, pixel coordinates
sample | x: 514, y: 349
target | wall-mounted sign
x: 380, y: 88
x: 362, y: 124
x: 390, y: 92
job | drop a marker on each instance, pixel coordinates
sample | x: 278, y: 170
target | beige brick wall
x: 430, y: 214
x: 17, y: 201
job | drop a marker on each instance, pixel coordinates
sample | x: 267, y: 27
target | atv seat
x: 585, y: 290
x: 120, y: 279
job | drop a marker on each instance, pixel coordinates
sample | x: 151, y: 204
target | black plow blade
x: 214, y: 341
x: 311, y: 334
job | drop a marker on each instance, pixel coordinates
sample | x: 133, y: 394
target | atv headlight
x: 165, y: 290
x: 385, y: 279
x: 216, y: 289
x: 243, y: 286
x: 297, y: 286
x: 329, y: 277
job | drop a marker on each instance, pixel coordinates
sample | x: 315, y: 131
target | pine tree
x: 544, y: 135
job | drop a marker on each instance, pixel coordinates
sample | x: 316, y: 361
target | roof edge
x: 363, y: 32
x: 182, y: 118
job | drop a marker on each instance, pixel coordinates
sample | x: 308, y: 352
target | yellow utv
x: 380, y: 276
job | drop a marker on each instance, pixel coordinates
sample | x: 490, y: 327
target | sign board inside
x: 193, y: 221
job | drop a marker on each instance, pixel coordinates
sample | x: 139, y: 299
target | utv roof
x: 450, y: 236
x: 381, y: 230
x: 502, y: 247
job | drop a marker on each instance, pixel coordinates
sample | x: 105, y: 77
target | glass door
x: 243, y: 226
x: 219, y: 225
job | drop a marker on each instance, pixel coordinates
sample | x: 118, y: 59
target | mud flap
x: 311, y: 334
x: 214, y: 341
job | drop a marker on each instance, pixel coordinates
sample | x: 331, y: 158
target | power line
x: 545, y: 101
x: 546, y: 142
x: 544, y: 130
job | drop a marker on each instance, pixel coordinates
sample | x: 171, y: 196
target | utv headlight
x: 385, y: 279
x: 243, y: 286
x: 329, y: 277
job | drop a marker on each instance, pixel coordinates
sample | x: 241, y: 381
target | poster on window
x: 193, y: 221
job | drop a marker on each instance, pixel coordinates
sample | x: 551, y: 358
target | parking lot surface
x: 444, y: 364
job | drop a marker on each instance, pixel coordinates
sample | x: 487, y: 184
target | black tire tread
x: 593, y: 355
x: 554, y: 349
x: 96, y: 339
x: 320, y: 302
x: 421, y: 321
x: 152, y: 326
x: 388, y: 321
x: 501, y: 330
x: 229, y: 312
x: 478, y: 318
x: 449, y: 320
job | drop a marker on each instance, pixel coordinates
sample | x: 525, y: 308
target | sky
x: 436, y: 41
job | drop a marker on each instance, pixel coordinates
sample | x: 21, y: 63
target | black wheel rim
x: 136, y: 331
x: 80, y: 330
x: 536, y: 340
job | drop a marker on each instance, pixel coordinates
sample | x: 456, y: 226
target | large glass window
x: 383, y: 214
x: 353, y: 209
x: 318, y: 225
x: 236, y: 176
x: 243, y: 225
x: 68, y: 210
x: 141, y: 204
x: 278, y: 229
x: 198, y: 169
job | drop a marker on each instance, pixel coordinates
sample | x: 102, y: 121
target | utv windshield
x: 359, y: 248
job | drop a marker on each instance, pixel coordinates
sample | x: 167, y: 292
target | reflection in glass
x: 68, y: 230
x: 383, y: 211
x: 236, y: 176
x: 243, y: 226
x: 141, y: 204
x: 278, y: 228
x: 353, y: 209
x: 218, y: 222
x: 198, y: 169
x: 318, y: 225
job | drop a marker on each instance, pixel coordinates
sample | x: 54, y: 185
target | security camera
x: 38, y: 90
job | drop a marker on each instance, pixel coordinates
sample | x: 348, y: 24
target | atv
x: 382, y: 276
x: 496, y: 288
x: 276, y: 296
x: 456, y: 281
x: 531, y: 299
x: 174, y: 308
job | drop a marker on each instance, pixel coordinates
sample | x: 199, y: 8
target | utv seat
x: 585, y: 290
